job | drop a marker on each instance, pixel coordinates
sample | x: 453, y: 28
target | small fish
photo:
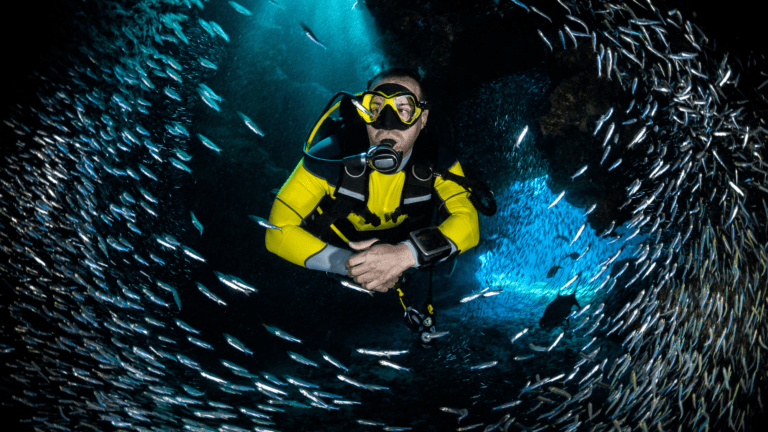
x: 579, y: 172
x: 209, y: 294
x: 281, y: 334
x: 333, y: 361
x: 360, y: 106
x: 519, y: 335
x: 237, y: 344
x: 521, y: 136
x: 615, y: 164
x: 507, y: 405
x: 556, y: 341
x: 349, y: 380
x: 353, y: 286
x: 180, y: 165
x: 210, y: 93
x: 562, y: 392
x: 463, y: 413
x: 235, y: 283
x: 552, y: 271
x: 370, y: 423
x: 311, y: 35
x: 381, y: 353
x: 207, y: 63
x: 196, y: 223
x: 251, y: 125
x: 273, y: 379
x: 485, y: 365
x: 540, y: 13
x: 300, y: 383
x: 590, y: 209
x: 521, y: 5
x: 240, y: 8
x: 219, y: 31
x: 429, y: 336
x: 171, y: 93
x: 210, y: 102
x: 182, y: 154
x: 191, y: 253
x: 200, y: 343
x: 473, y: 295
x: 301, y: 359
x: 546, y: 41
x: 605, y: 154
x: 562, y: 194
x: 208, y: 143
x: 181, y: 324
x: 581, y: 229
x: 263, y: 222
x: 393, y: 365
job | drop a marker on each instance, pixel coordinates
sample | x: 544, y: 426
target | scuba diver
x: 370, y: 215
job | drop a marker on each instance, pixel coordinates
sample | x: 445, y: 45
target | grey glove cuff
x: 329, y: 259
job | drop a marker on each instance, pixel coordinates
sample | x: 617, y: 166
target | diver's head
x: 398, y: 128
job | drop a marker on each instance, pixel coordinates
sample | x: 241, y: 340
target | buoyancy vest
x: 329, y: 220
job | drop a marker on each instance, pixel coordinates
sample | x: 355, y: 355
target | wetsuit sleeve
x: 298, y: 197
x: 461, y: 226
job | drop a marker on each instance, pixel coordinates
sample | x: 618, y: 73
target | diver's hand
x: 378, y: 267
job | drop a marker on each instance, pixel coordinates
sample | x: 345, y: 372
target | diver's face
x: 404, y: 137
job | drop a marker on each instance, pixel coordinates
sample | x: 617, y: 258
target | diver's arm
x: 297, y: 198
x: 461, y: 227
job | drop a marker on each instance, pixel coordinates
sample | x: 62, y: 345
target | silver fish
x: 519, y: 335
x: 521, y: 136
x: 311, y: 35
x: 251, y: 125
x: 333, y: 361
x: 485, y: 365
x: 263, y: 222
x: 393, y: 365
x: 240, y: 8
x: 562, y: 194
x: 382, y: 353
x: 546, y: 41
x: 579, y: 172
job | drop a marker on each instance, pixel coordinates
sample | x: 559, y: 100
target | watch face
x: 431, y: 241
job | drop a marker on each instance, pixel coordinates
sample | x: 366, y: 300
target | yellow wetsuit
x: 306, y: 187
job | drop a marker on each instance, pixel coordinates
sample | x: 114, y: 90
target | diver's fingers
x: 362, y: 245
x: 360, y: 268
x: 383, y: 282
x: 366, y: 278
x: 355, y: 260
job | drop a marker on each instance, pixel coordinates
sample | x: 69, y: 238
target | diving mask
x: 403, y: 103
